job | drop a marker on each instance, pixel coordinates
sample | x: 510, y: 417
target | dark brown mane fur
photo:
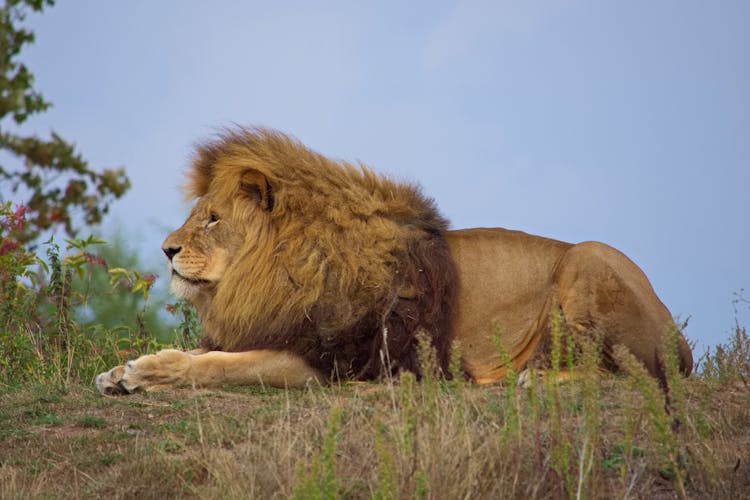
x: 346, y: 270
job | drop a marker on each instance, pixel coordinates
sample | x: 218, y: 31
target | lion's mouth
x: 192, y: 281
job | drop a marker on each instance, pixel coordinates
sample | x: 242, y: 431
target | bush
x: 57, y: 320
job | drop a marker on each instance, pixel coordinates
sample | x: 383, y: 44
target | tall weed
x: 46, y: 335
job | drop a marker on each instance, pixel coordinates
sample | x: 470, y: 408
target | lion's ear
x: 255, y: 186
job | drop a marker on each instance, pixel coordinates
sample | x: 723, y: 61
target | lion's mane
x: 345, y: 267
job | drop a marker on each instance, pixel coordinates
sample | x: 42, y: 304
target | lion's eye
x: 212, y: 220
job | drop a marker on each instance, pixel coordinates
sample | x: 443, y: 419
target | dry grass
x: 588, y: 437
x: 585, y: 438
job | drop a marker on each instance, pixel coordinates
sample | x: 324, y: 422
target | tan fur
x: 320, y: 244
x: 510, y: 281
x: 288, y: 256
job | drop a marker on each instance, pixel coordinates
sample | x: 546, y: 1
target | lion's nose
x: 170, y: 252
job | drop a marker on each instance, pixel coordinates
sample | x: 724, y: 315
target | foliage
x: 64, y: 318
x: 56, y: 179
x: 110, y: 293
x: 729, y: 363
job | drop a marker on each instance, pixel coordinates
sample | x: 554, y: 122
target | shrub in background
x: 68, y: 316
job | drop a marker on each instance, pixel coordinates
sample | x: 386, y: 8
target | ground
x: 395, y: 439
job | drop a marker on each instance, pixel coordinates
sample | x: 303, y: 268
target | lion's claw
x: 111, y: 382
x: 149, y: 372
x: 117, y: 381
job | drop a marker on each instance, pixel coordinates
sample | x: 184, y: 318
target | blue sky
x: 624, y: 122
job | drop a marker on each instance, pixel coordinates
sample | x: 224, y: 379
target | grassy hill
x: 591, y: 437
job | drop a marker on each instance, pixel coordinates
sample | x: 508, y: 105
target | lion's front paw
x: 164, y: 369
x: 109, y: 382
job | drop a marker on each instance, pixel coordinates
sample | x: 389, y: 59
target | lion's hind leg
x: 602, y: 292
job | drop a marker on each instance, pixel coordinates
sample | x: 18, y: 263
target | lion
x: 308, y: 270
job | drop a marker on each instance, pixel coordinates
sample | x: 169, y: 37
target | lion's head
x: 288, y: 249
x: 200, y: 253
